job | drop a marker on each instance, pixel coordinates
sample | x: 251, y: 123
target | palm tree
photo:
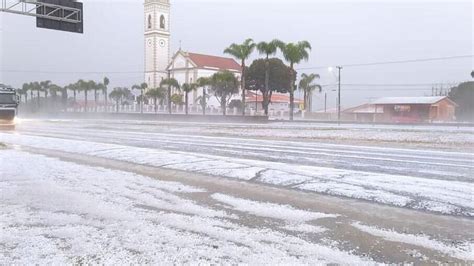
x: 54, y: 89
x: 294, y: 53
x: 95, y: 87
x: 203, y: 83
x: 242, y: 52
x: 142, y: 87
x: 45, y: 87
x: 105, y: 92
x: 101, y: 88
x: 74, y: 87
x: 187, y: 88
x: 116, y: 95
x: 37, y: 87
x: 307, y: 86
x: 169, y: 83
x: 84, y: 86
x: 268, y: 49
x: 24, y: 90
x: 155, y: 94
x: 224, y: 84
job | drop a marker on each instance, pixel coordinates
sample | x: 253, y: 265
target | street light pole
x: 339, y: 96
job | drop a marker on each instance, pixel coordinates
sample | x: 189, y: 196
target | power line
x: 393, y: 84
x: 395, y: 62
x: 304, y: 68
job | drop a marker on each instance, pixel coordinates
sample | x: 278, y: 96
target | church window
x: 162, y: 22
x: 149, y: 22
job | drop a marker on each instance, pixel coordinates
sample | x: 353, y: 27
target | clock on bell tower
x: 157, y: 41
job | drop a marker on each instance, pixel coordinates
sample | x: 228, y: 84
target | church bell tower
x: 157, y: 41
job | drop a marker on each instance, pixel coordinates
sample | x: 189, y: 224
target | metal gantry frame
x: 42, y: 10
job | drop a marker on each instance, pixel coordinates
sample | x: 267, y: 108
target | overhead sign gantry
x: 64, y: 15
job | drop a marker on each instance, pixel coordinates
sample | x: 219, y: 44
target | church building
x: 185, y: 67
x: 157, y: 41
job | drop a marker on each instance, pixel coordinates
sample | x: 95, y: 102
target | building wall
x: 157, y: 41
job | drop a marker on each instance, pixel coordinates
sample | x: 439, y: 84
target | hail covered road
x: 409, y: 188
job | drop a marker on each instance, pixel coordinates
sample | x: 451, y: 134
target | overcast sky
x: 341, y: 32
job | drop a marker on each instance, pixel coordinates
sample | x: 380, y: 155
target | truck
x: 8, y: 107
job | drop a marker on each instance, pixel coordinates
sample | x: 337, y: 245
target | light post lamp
x: 339, y: 68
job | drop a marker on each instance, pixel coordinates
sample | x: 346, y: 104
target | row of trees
x: 293, y: 53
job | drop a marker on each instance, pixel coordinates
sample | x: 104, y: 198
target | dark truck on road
x: 8, y: 107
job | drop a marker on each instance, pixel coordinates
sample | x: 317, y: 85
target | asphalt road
x: 402, y: 219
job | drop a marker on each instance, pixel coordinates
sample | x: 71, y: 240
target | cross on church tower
x: 157, y: 41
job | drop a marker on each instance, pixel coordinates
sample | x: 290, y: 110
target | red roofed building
x: 187, y: 67
x: 279, y: 102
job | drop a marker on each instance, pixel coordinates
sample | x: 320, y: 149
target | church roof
x: 215, y: 62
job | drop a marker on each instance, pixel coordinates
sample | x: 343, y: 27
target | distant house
x: 279, y: 102
x: 413, y: 109
x: 187, y: 67
x: 363, y: 113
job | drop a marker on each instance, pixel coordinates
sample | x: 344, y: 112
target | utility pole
x: 339, y: 96
x: 325, y: 101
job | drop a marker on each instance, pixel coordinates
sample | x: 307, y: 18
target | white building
x: 157, y: 41
x: 187, y: 67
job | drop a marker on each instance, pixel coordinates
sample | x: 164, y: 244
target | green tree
x: 54, y: 89
x: 84, y: 86
x: 177, y: 99
x: 36, y: 86
x: 294, y: 53
x: 142, y: 88
x: 187, y: 88
x: 24, y: 90
x: 307, y: 86
x: 224, y: 84
x: 45, y: 88
x: 268, y: 49
x: 463, y: 95
x: 203, y: 83
x: 106, y: 83
x: 116, y: 95
x: 74, y: 87
x: 156, y: 94
x: 169, y: 84
x: 242, y: 52
x: 279, y: 81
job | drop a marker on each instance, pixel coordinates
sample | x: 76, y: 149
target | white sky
x: 341, y: 32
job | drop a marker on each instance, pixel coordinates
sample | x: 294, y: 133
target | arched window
x: 149, y: 22
x: 162, y: 22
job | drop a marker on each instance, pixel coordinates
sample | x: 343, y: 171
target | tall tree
x: 116, y: 94
x: 224, y: 84
x: 37, y: 87
x: 84, y: 86
x: 294, y: 53
x: 156, y: 94
x: 463, y: 95
x: 74, y: 87
x: 54, y: 89
x: 279, y: 81
x: 242, y: 52
x: 100, y: 87
x: 268, y: 49
x: 169, y: 84
x: 106, y: 83
x: 96, y: 88
x: 45, y: 87
x: 24, y: 89
x: 187, y: 88
x: 203, y: 83
x: 142, y: 88
x: 307, y: 85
